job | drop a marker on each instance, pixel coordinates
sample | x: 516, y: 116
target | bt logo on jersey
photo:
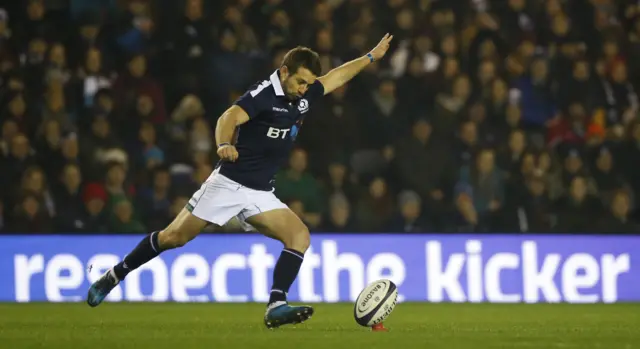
x: 278, y: 132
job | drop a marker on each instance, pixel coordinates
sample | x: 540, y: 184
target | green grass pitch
x: 229, y: 326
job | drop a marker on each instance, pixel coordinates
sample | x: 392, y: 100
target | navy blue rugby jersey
x: 265, y: 141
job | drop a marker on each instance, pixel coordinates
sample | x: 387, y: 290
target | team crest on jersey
x: 303, y: 106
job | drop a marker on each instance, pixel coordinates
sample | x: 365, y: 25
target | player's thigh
x: 284, y: 225
x: 184, y: 228
x: 217, y: 201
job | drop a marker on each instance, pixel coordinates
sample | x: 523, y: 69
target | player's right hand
x: 228, y: 152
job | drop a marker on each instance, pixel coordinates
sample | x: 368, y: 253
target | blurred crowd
x: 485, y: 115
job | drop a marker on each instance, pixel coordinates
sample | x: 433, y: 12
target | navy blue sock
x: 146, y: 250
x: 284, y: 273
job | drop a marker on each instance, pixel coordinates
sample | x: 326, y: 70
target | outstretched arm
x: 340, y: 75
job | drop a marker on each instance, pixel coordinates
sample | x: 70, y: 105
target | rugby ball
x: 375, y: 303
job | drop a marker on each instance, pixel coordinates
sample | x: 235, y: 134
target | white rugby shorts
x: 219, y: 199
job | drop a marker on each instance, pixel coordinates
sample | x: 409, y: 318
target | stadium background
x: 485, y: 116
x: 491, y: 157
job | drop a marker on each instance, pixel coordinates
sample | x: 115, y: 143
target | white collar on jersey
x: 277, y: 86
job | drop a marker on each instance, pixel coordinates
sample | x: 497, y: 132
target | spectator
x: 201, y: 137
x: 409, y: 219
x: 578, y: 211
x: 279, y: 31
x: 154, y: 203
x: 622, y: 96
x: 483, y: 185
x: 512, y: 121
x: 467, y: 145
x: 34, y: 181
x: 70, y: 150
x: 415, y: 169
x: 339, y: 218
x: 497, y: 103
x: 95, y: 144
x: 39, y: 24
x: 532, y: 210
x: 606, y: 177
x: 449, y: 107
x: 190, y: 42
x: 339, y: 180
x: 230, y: 70
x: 115, y: 184
x: 485, y: 76
x: 138, y: 29
x: 122, y: 219
x: 48, y: 148
x: 92, y: 77
x: 30, y: 216
x: 190, y: 108
x: 54, y: 108
x: 535, y: 95
x: 17, y: 111
x: 511, y: 159
x: 247, y: 41
x: 19, y: 159
x: 95, y: 198
x: 9, y: 130
x: 385, y: 119
x: 549, y: 167
x: 71, y: 215
x: 296, y: 183
x: 150, y: 155
x: 136, y: 81
x: 580, y: 88
x: 375, y: 206
x: 58, y: 69
x: 617, y: 220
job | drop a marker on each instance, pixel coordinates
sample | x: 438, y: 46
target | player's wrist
x: 370, y: 57
x: 223, y: 144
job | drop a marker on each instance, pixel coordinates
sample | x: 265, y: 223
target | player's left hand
x: 381, y: 49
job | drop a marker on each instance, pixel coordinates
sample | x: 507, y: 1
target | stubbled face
x: 296, y: 85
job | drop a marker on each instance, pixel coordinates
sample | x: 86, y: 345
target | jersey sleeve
x: 254, y: 101
x: 315, y: 91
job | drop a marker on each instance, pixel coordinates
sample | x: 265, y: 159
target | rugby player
x: 254, y: 137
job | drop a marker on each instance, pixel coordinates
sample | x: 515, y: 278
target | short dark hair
x: 302, y: 57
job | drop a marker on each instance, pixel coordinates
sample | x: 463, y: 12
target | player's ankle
x: 120, y: 271
x: 277, y: 296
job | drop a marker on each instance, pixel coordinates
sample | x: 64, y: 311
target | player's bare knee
x: 184, y: 228
x: 171, y: 238
x: 298, y: 239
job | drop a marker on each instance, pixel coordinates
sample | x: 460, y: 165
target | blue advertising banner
x: 237, y: 268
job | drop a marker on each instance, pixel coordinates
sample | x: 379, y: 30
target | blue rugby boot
x: 101, y: 288
x: 280, y: 313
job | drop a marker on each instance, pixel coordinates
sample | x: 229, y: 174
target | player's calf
x: 284, y: 225
x: 183, y: 229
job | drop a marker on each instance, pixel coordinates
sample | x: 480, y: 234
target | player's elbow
x: 227, y: 120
